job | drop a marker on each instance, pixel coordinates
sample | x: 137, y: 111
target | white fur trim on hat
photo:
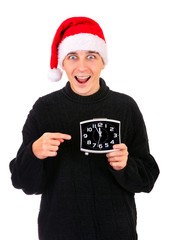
x: 55, y: 74
x: 82, y: 41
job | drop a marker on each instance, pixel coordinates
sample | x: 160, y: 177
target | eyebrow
x: 93, y: 52
x: 71, y: 53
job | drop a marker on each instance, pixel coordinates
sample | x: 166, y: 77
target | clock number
x: 100, y: 146
x: 106, y: 145
x: 100, y: 124
x: 89, y: 142
x: 112, y: 142
x: 89, y: 129
x: 94, y: 125
x: 111, y: 129
x: 85, y: 135
x: 94, y: 144
x: 115, y: 135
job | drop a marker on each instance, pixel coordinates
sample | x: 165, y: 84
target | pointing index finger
x: 60, y: 136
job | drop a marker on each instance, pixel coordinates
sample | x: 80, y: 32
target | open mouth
x: 81, y: 79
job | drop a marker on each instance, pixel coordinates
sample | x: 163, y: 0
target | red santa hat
x: 76, y: 33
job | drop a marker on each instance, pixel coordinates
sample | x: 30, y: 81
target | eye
x: 72, y: 57
x: 91, y: 56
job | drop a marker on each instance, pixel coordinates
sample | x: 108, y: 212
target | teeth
x: 82, y: 77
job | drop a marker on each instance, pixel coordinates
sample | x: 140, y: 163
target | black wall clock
x: 99, y: 135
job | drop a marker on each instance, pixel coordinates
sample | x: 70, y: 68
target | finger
x: 53, y: 148
x: 61, y: 136
x: 60, y: 140
x: 120, y: 146
x: 115, y: 154
x: 54, y: 142
x: 117, y: 166
x: 116, y: 159
x: 52, y: 154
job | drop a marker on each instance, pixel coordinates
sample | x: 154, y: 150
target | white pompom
x: 55, y: 74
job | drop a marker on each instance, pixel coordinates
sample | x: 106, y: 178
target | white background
x: 139, y: 35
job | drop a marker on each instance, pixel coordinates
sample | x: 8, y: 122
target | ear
x: 103, y: 65
x: 63, y: 66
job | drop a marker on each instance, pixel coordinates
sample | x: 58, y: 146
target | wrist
x: 34, y: 150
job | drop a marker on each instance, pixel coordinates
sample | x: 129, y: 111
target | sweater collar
x: 99, y: 95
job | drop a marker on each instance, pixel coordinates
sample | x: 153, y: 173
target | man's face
x: 83, y: 70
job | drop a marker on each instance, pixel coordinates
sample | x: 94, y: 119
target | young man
x: 84, y: 197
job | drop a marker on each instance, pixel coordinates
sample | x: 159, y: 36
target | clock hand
x: 100, y: 135
x: 99, y: 140
x: 97, y: 130
x: 100, y: 132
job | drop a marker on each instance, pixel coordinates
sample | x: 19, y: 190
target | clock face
x: 99, y: 135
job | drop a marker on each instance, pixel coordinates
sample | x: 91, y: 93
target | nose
x: 82, y: 66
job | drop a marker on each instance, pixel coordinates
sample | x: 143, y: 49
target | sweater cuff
x: 32, y: 159
x: 119, y: 176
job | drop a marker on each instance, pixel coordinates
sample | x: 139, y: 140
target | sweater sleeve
x: 141, y: 170
x: 27, y: 171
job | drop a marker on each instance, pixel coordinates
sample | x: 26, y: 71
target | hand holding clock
x: 118, y: 159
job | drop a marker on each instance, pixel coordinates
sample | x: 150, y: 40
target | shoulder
x: 123, y: 99
x: 126, y: 105
x: 49, y: 99
x: 129, y: 108
x: 52, y: 97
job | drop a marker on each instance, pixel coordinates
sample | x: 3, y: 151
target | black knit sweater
x: 83, y: 197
